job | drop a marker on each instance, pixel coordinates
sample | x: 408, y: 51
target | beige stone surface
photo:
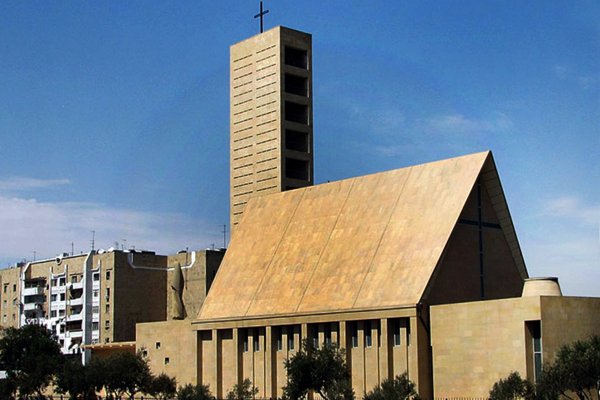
x: 10, y: 297
x: 258, y: 74
x: 360, y: 243
x: 476, y: 344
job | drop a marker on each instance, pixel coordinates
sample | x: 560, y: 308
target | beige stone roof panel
x: 360, y: 243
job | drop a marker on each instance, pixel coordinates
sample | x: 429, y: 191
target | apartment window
x: 62, y: 297
x: 61, y: 281
x: 53, y: 297
x: 96, y: 277
x: 95, y: 293
x: 106, y: 324
x: 108, y: 275
x: 95, y: 326
x: 107, y: 308
x: 95, y: 309
x: 144, y: 353
x: 368, y: 334
x: 107, y: 294
x: 157, y: 345
x: 14, y: 287
x: 5, y: 288
x: 53, y: 314
x: 74, y: 279
x: 296, y: 57
x: 61, y: 328
x: 61, y: 313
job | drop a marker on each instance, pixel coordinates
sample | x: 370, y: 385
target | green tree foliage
x: 30, y: 356
x: 163, y: 387
x: 80, y: 381
x: 126, y: 373
x: 575, y: 373
x: 399, y: 388
x: 245, y: 391
x: 512, y: 387
x: 321, y: 370
x: 191, y: 392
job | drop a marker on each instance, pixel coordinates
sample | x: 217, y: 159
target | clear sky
x: 114, y: 115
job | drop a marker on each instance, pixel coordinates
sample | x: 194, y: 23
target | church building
x: 414, y: 270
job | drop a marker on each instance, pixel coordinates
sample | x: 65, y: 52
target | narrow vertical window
x: 368, y: 333
x: 536, y: 333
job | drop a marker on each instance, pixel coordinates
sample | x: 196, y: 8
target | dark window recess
x: 296, y: 85
x: 295, y: 140
x: 295, y: 112
x: 296, y: 57
x: 296, y: 169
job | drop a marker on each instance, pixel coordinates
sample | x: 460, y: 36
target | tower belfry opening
x: 271, y: 130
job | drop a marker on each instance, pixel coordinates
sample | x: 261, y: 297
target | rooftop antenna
x: 123, y: 244
x: 93, y: 241
x: 260, y: 15
x: 72, y: 248
x: 224, y: 236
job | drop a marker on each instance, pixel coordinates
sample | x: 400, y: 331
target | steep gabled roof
x: 361, y: 243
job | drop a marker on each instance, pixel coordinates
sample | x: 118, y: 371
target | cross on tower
x: 260, y: 15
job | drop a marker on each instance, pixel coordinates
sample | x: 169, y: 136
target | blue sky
x: 114, y: 116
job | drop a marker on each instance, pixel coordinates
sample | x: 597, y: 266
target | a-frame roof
x: 361, y: 243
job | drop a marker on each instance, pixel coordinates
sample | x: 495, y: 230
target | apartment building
x: 98, y: 297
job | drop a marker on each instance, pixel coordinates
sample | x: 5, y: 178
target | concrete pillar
x: 384, y: 350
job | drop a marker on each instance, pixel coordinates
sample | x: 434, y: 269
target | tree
x: 321, y: 370
x: 245, y: 391
x: 575, y: 373
x: 512, y: 387
x: 399, y: 388
x: 163, y: 387
x: 81, y: 381
x: 191, y: 392
x: 126, y: 373
x: 30, y: 355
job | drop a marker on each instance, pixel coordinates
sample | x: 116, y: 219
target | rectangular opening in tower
x: 296, y: 57
x: 295, y: 112
x: 297, y: 141
x: 296, y: 85
x: 296, y: 169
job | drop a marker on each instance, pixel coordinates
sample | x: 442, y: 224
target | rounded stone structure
x: 545, y: 286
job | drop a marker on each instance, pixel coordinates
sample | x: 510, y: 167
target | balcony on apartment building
x: 34, y: 287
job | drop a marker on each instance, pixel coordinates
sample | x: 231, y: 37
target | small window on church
x: 278, y: 339
x: 296, y: 169
x: 157, y: 345
x: 395, y: 325
x: 368, y: 334
x: 167, y: 360
x: 353, y: 334
x: 255, y: 341
x: 245, y: 341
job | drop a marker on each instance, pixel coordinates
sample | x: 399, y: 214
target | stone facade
x: 271, y: 131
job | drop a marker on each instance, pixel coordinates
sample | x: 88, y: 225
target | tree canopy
x: 30, y: 356
x: 399, y: 388
x: 512, y: 387
x: 321, y: 370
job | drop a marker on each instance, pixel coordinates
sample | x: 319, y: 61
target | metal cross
x: 260, y: 15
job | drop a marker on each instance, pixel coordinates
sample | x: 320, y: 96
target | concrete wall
x: 10, y: 297
x: 170, y: 347
x: 475, y: 344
